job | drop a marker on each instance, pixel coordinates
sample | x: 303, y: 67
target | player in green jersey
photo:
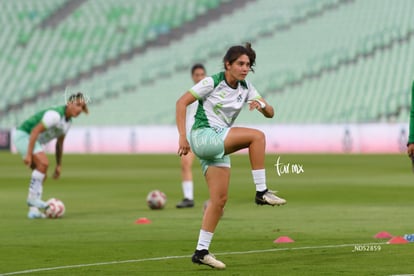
x: 36, y: 131
x: 198, y: 72
x: 212, y: 138
x: 410, y: 149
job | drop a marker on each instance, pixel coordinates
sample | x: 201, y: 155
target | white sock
x: 259, y: 179
x: 204, y: 240
x: 34, y: 209
x: 188, y: 189
x: 36, y: 186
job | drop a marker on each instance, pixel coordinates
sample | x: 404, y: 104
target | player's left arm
x: 181, y: 112
x: 262, y: 106
x: 58, y: 155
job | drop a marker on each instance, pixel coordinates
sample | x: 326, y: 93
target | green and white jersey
x: 219, y: 104
x: 411, y: 133
x: 54, y: 121
x: 191, y: 111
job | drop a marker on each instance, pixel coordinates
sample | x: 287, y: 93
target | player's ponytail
x: 251, y: 54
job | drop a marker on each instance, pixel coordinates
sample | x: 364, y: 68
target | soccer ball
x: 56, y: 208
x: 156, y: 199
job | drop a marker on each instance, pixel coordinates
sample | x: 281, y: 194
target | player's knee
x: 260, y: 136
x: 185, y: 166
x: 221, y: 201
x: 42, y: 166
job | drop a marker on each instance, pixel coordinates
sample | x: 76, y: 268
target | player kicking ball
x: 212, y: 138
x: 35, y: 132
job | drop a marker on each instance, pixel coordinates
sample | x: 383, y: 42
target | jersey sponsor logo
x: 217, y: 107
x: 222, y: 94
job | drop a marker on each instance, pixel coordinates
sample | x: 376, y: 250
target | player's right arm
x: 180, y: 118
x: 34, y: 134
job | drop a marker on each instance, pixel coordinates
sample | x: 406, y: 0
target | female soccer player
x: 410, y: 145
x: 213, y: 138
x: 38, y: 130
x: 198, y: 72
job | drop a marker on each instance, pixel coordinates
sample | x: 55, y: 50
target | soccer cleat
x: 203, y: 257
x: 36, y: 215
x: 268, y: 197
x: 36, y: 202
x: 186, y: 203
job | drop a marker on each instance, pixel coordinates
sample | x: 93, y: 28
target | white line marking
x: 181, y: 257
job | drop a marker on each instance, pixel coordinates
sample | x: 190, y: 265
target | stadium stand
x: 323, y: 61
x: 97, y: 32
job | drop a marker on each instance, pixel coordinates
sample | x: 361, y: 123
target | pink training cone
x: 383, y: 235
x: 283, y: 239
x: 397, y: 240
x: 142, y: 221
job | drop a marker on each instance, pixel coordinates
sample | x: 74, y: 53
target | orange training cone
x: 142, y: 221
x: 397, y: 240
x: 383, y: 235
x: 283, y: 239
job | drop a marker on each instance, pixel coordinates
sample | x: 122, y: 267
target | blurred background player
x: 36, y: 131
x: 410, y: 145
x: 198, y: 72
x: 221, y: 98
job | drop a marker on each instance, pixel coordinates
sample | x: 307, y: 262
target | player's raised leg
x: 239, y: 138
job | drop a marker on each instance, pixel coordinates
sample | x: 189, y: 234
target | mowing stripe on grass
x: 181, y: 257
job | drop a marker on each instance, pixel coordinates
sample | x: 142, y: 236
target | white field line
x: 181, y: 257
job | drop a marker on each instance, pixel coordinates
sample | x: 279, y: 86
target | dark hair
x: 234, y: 52
x: 79, y: 97
x: 197, y: 66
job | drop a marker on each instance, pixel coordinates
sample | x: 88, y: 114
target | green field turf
x: 335, y: 206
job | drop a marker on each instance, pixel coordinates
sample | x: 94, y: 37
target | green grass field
x: 337, y: 203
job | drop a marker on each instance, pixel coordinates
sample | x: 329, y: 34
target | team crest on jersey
x: 239, y: 98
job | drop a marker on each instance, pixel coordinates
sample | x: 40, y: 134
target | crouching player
x: 36, y: 131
